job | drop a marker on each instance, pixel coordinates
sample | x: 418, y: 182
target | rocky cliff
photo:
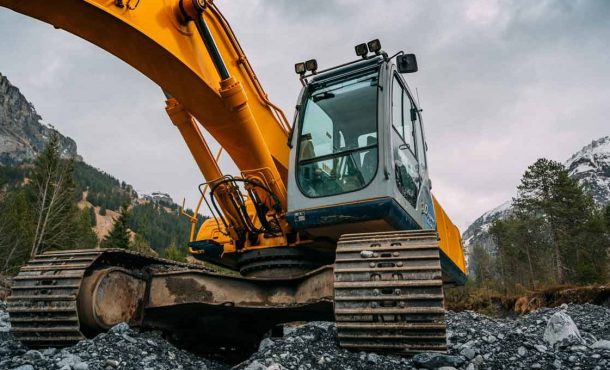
x: 22, y: 133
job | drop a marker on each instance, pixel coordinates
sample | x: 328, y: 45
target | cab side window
x: 421, y: 144
x: 397, y: 107
x: 407, y: 122
x: 401, y: 114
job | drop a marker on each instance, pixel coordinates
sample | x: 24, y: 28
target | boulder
x: 561, y: 327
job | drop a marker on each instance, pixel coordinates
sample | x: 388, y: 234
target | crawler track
x: 389, y: 292
x: 43, y: 303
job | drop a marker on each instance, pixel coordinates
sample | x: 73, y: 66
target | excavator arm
x: 153, y: 38
x: 189, y: 50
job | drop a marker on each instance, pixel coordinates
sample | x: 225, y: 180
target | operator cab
x: 358, y: 158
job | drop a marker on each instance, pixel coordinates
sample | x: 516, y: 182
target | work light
x: 299, y: 68
x: 374, y: 46
x: 311, y: 65
x: 361, y: 50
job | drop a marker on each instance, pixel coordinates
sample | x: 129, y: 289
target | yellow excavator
x: 331, y: 218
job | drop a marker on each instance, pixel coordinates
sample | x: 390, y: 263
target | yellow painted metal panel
x: 450, y: 239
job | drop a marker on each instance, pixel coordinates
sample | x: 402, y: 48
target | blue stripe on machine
x: 379, y: 209
x: 386, y: 209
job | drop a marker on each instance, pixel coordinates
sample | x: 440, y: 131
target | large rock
x: 561, y: 327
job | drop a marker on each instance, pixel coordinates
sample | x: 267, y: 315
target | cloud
x: 501, y: 83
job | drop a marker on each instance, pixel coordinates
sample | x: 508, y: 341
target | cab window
x: 401, y: 114
x: 421, y: 144
x: 338, y: 136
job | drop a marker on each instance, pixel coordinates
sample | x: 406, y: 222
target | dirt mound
x: 499, y: 305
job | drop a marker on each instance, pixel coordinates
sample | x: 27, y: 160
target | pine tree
x: 141, y: 246
x: 548, y: 194
x: 119, y: 234
x: 53, y: 199
x: 481, y: 263
x: 592, y: 241
x: 86, y: 237
x: 92, y: 216
x: 174, y: 253
x: 523, y: 251
x: 16, y: 230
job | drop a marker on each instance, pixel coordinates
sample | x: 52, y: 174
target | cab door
x: 405, y: 166
x: 424, y: 203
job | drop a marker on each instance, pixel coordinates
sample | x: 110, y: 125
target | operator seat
x: 309, y: 173
x: 307, y: 150
x: 369, y: 161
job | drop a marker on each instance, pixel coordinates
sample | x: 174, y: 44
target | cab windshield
x: 337, y: 150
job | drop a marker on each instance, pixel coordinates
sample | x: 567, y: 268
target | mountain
x: 477, y: 232
x: 22, y: 133
x: 590, y: 166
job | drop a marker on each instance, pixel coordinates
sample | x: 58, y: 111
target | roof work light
x: 299, y: 68
x: 311, y: 65
x: 374, y: 46
x: 361, y: 50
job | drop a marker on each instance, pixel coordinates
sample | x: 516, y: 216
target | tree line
x: 120, y: 236
x: 102, y: 189
x: 555, y: 235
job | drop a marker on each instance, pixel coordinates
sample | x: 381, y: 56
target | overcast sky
x: 502, y: 83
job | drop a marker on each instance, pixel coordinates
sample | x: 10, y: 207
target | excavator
x: 330, y: 218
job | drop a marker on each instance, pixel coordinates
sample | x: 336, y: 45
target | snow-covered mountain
x: 590, y: 166
x: 477, y: 232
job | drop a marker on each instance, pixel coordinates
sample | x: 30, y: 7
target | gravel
x: 571, y: 332
x: 5, y: 326
x: 120, y: 348
x: 567, y: 337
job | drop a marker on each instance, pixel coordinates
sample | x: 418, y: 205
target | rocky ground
x: 568, y: 337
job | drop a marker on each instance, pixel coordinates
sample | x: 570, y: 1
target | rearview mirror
x: 413, y: 114
x: 406, y: 63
